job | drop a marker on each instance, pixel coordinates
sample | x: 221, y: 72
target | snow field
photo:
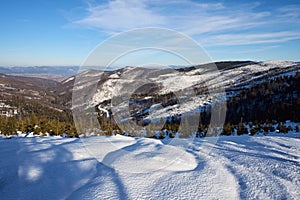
x: 119, y: 167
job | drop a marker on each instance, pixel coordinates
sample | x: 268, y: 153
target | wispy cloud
x: 290, y: 12
x: 121, y: 15
x: 248, y: 50
x: 210, y: 23
x: 244, y: 39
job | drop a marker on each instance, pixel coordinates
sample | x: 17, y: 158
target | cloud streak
x: 244, y: 39
x: 210, y: 23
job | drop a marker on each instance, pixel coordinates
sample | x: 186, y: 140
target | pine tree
x: 241, y: 129
x: 228, y: 129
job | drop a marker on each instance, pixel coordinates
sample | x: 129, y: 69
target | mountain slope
x: 243, y: 90
x: 152, y: 94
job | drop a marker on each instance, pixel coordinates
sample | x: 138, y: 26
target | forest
x: 37, y: 118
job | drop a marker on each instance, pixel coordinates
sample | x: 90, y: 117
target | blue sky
x: 64, y: 32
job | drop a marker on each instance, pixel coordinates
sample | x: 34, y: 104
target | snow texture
x: 120, y: 167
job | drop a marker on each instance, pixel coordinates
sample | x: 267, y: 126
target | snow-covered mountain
x: 149, y: 94
x: 248, y: 91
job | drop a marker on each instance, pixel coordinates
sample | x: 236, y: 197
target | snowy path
x: 137, y: 168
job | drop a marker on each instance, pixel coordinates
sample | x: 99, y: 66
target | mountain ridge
x: 158, y: 92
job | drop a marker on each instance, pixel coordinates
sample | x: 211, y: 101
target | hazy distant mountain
x: 45, y: 70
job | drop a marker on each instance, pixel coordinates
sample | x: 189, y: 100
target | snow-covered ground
x: 119, y: 167
x: 119, y: 86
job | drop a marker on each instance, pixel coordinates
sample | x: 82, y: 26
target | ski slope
x: 119, y: 167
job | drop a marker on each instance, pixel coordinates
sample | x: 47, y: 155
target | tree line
x: 36, y: 117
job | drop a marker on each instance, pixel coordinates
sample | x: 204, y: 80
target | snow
x: 122, y: 84
x: 104, y: 110
x: 68, y: 80
x: 114, y: 76
x: 279, y: 63
x: 119, y: 167
x: 105, y: 92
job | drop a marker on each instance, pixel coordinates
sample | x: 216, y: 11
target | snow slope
x: 119, y: 167
x: 116, y: 88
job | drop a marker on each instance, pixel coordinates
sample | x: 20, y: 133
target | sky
x: 65, y: 32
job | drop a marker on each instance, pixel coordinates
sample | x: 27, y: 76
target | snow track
x: 120, y: 167
x: 264, y: 168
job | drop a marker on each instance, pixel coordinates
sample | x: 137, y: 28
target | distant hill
x: 43, y: 70
x: 42, y: 96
